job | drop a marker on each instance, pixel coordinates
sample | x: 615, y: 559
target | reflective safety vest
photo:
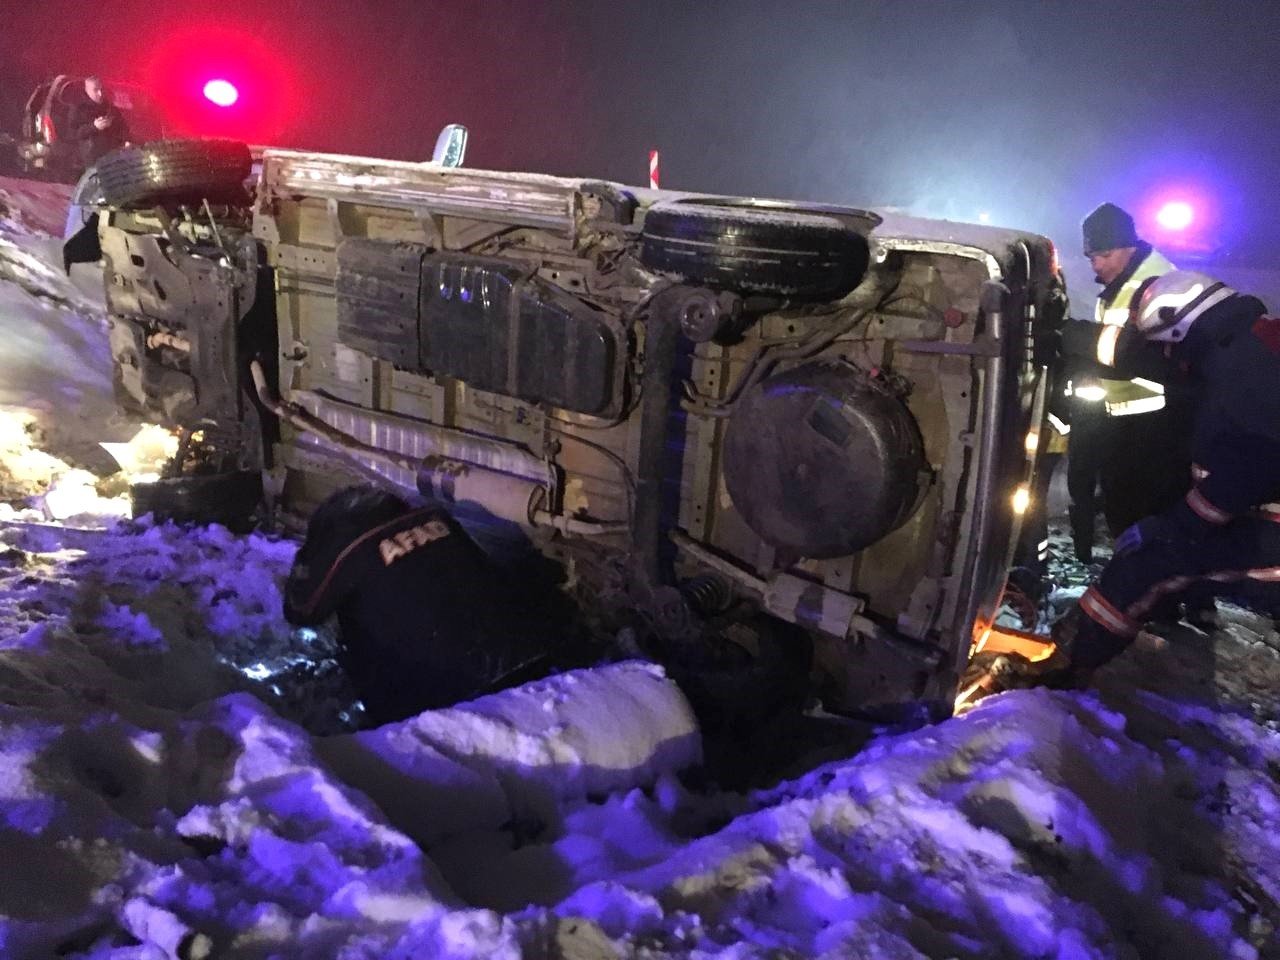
x: 1126, y: 397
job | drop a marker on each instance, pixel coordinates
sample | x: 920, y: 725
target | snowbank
x: 520, y: 753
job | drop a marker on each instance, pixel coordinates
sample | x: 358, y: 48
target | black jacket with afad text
x: 426, y: 619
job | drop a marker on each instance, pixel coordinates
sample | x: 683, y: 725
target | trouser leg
x: 1084, y: 460
x: 1146, y: 469
x: 1245, y: 552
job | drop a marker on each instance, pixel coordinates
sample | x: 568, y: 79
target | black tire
x: 226, y: 498
x: 175, y: 171
x: 754, y: 247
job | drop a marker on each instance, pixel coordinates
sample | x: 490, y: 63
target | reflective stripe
x: 1106, y: 349
x: 1056, y: 422
x: 1204, y: 509
x: 1142, y: 606
x: 1126, y: 408
x: 1270, y: 511
x: 1146, y: 384
x: 1115, y: 316
x: 1098, y: 609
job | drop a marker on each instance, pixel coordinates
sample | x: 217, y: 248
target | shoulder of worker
x: 352, y: 536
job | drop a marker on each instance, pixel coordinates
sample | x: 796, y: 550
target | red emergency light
x: 221, y: 80
x: 223, y: 93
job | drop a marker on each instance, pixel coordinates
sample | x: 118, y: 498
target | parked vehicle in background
x: 44, y: 146
x: 729, y: 421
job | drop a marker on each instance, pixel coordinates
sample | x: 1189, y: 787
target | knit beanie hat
x: 1108, y: 228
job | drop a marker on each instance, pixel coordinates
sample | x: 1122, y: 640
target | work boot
x: 1062, y: 670
x: 1167, y: 611
x: 1201, y: 616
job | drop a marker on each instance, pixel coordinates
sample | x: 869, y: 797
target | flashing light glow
x: 1175, y: 215
x: 1032, y: 442
x: 221, y: 92
x: 1091, y: 393
x: 984, y: 217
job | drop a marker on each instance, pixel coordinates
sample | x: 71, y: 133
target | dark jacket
x: 426, y: 618
x: 1226, y: 375
x: 1232, y: 355
x: 1228, y: 372
x: 91, y: 142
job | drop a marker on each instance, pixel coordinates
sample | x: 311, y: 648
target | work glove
x: 1078, y: 340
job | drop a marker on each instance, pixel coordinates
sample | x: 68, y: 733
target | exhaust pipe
x: 506, y: 496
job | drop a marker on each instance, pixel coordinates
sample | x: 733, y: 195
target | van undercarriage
x: 711, y: 414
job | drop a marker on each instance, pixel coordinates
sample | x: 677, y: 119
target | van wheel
x: 226, y: 498
x: 755, y: 247
x: 175, y: 171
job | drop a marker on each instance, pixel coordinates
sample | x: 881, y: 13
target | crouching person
x: 426, y: 618
x: 1224, y: 536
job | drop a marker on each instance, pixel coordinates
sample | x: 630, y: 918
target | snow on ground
x: 53, y: 350
x: 183, y: 775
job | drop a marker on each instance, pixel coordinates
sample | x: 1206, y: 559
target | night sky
x: 1031, y: 111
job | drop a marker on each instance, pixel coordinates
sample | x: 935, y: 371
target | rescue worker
x: 97, y: 125
x: 1223, y: 536
x: 1125, y: 437
x: 426, y: 618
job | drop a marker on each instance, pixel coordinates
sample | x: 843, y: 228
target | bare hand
x: 102, y: 122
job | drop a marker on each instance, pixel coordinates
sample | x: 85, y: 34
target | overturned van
x: 712, y: 413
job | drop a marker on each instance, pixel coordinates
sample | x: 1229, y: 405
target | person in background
x: 97, y: 125
x: 1127, y: 435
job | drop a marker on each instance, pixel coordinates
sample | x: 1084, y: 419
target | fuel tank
x: 823, y: 460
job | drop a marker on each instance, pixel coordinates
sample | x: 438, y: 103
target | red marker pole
x: 653, y: 169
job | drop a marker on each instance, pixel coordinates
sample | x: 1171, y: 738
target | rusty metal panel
x: 489, y: 323
x: 378, y: 286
